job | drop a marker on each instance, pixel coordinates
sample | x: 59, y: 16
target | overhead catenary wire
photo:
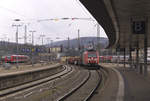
x: 85, y: 10
x: 12, y: 11
x: 73, y: 18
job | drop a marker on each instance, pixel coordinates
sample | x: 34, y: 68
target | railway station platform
x: 23, y: 67
x: 135, y: 87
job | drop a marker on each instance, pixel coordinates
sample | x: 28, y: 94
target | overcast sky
x: 30, y: 11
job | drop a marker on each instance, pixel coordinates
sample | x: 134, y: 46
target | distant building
x: 55, y: 49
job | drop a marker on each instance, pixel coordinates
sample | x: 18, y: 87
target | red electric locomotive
x: 90, y: 58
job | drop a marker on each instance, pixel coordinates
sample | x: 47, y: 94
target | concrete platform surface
x: 137, y: 86
x: 23, y: 67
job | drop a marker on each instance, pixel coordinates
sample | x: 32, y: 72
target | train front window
x: 8, y: 57
x: 92, y: 55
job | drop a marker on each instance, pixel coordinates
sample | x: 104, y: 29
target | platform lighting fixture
x: 17, y: 27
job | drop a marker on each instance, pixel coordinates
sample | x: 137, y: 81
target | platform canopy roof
x: 125, y: 22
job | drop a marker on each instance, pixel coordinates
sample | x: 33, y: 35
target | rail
x: 34, y: 83
x: 91, y: 93
x: 94, y: 90
x: 75, y: 89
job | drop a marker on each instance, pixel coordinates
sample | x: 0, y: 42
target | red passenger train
x: 15, y: 58
x: 87, y: 58
x: 90, y: 58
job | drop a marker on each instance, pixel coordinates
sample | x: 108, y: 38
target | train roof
x: 18, y: 55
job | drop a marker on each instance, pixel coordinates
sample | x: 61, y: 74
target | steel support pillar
x: 130, y: 57
x: 145, y: 49
x: 145, y: 55
x: 124, y: 58
x: 118, y: 59
x: 141, y: 68
x: 137, y: 58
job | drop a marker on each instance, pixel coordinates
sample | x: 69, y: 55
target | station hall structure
x: 126, y: 23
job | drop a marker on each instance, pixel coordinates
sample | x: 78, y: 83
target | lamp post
x: 48, y: 50
x: 42, y: 36
x: 17, y: 27
x: 51, y: 49
x: 32, y: 31
x: 79, y: 47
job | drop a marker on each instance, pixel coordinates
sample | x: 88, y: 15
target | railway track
x: 77, y: 85
x: 6, y: 93
x: 86, y: 89
x: 53, y: 89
